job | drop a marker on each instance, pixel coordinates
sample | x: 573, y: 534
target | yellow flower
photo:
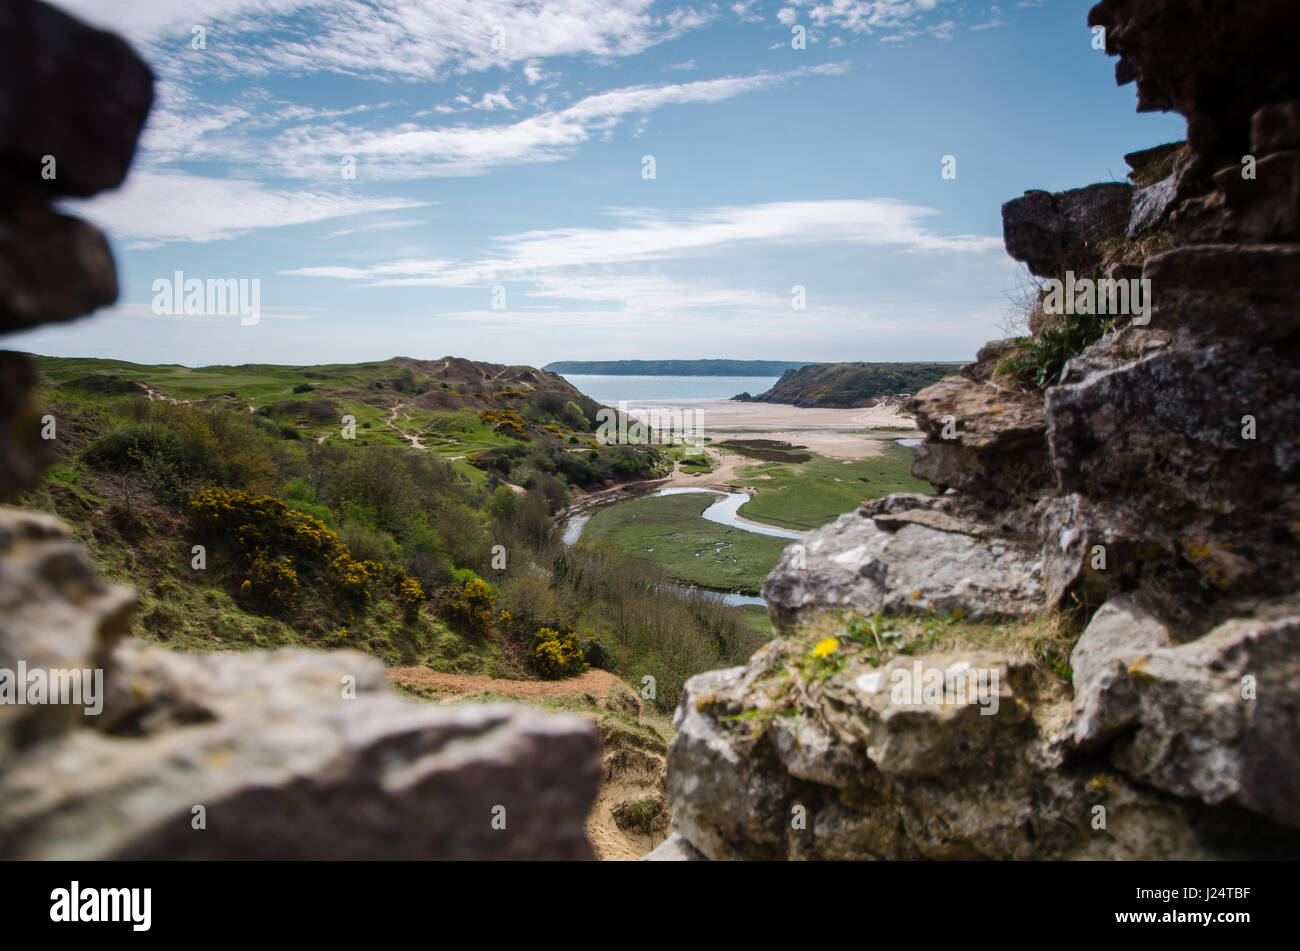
x: 828, y: 646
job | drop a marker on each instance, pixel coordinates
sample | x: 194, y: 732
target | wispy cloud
x: 159, y: 207
x: 411, y: 150
x: 574, y: 263
x: 388, y: 39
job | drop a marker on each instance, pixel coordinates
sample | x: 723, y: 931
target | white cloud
x: 159, y: 207
x: 385, y: 39
x: 862, y: 16
x: 410, y: 150
x: 560, y: 259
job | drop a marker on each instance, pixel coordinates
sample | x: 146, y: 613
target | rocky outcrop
x: 1053, y: 232
x: 1213, y: 719
x: 151, y: 754
x: 916, y: 555
x: 1218, y: 62
x: 1151, y: 491
x: 768, y: 765
x: 295, y: 755
x: 985, y: 438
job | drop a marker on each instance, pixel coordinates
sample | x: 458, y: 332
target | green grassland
x: 807, y: 495
x: 668, y: 532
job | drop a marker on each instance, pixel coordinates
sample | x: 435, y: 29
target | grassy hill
x: 402, y: 507
x: 851, y: 385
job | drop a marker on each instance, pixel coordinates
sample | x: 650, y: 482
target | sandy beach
x: 836, y: 433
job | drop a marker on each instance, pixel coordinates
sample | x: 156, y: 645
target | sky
x: 523, y: 182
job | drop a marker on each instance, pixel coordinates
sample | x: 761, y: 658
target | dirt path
x: 598, y: 683
x: 628, y: 773
x: 391, y: 423
x: 157, y: 397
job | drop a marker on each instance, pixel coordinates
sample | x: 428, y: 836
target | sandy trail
x: 598, y: 683
x: 627, y: 773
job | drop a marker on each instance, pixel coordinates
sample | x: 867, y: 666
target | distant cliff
x: 850, y: 385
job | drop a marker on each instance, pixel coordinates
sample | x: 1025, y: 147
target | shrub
x: 472, y: 609
x: 556, y: 655
x: 504, y: 421
x: 272, y: 584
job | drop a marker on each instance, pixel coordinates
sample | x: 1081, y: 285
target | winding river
x: 725, y: 511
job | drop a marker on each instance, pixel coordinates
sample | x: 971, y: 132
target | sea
x: 608, y: 389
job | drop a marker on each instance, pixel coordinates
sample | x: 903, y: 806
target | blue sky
x: 500, y: 145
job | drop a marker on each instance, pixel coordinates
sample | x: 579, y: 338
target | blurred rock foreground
x: 1171, y: 447
x: 290, y: 754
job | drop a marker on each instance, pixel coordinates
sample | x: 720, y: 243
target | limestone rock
x: 1151, y: 204
x: 985, y: 439
x: 674, y: 849
x: 1053, y: 232
x: 52, y: 268
x: 1214, y: 61
x: 1226, y: 501
x: 768, y: 765
x: 71, y: 92
x: 1227, y: 292
x: 287, y: 767
x: 55, y: 613
x: 857, y: 563
x: 1215, y: 719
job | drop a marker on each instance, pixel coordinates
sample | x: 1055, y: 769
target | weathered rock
x: 1215, y: 719
x: 1275, y: 128
x: 1151, y: 205
x: 67, y: 91
x: 985, y: 439
x: 1115, y: 349
x: 769, y: 765
x: 1217, y: 492
x: 856, y: 563
x: 23, y: 453
x: 1262, y: 208
x: 1227, y: 292
x: 1214, y: 61
x: 287, y: 767
x: 674, y: 849
x: 1053, y: 232
x: 55, y: 613
x: 988, y: 358
x: 52, y: 268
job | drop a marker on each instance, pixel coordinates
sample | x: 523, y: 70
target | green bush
x: 556, y: 655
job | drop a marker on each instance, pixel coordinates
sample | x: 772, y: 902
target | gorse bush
x: 505, y: 421
x: 557, y: 654
x: 471, y: 609
x: 278, y: 546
